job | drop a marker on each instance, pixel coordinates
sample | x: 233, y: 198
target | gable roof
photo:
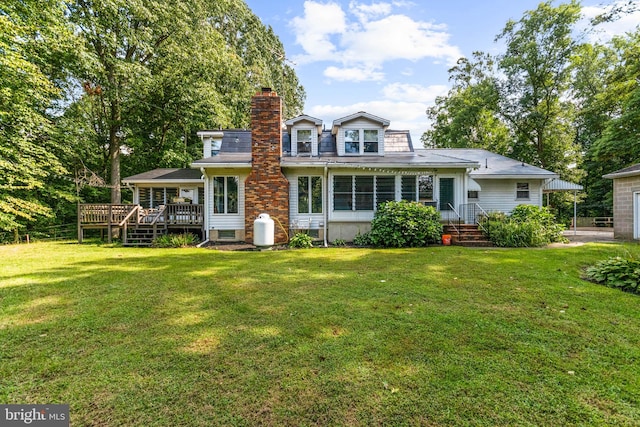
x: 632, y: 170
x: 494, y: 165
x: 303, y: 118
x: 361, y: 114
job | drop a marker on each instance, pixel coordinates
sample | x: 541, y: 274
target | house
x: 626, y: 202
x: 329, y: 181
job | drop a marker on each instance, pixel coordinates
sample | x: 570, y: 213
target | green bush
x: 617, y: 272
x: 339, y: 242
x: 363, y: 239
x: 527, y: 226
x: 405, y: 224
x: 182, y: 240
x: 301, y: 240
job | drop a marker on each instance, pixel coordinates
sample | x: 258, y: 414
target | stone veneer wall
x: 623, y: 189
x: 266, y: 187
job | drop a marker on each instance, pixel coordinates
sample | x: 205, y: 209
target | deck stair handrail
x: 473, y: 213
x: 128, y: 219
x: 159, y: 216
x: 457, y: 216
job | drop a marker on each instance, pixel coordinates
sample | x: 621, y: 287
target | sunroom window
x: 408, y: 185
x: 362, y: 192
x: 152, y: 197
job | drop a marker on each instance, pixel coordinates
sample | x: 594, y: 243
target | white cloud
x: 353, y: 74
x: 607, y: 30
x: 365, y: 12
x: 366, y: 38
x: 398, y: 37
x: 414, y: 92
x: 313, y: 30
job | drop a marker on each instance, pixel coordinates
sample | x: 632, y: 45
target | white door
x: 636, y: 215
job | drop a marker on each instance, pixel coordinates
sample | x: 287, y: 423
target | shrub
x: 405, y: 224
x: 363, y: 239
x: 175, y: 240
x: 301, y: 240
x: 617, y: 272
x: 527, y: 226
x: 339, y: 242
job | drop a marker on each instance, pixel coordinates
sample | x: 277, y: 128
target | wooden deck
x: 122, y: 218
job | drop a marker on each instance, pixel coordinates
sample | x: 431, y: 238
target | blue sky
x: 390, y: 57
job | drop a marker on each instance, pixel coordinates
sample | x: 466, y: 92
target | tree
x: 537, y: 76
x: 157, y: 70
x: 34, y: 43
x: 468, y: 116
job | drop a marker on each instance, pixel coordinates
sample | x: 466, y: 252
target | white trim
x: 636, y: 215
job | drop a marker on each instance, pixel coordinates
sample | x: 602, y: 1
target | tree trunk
x: 114, y: 152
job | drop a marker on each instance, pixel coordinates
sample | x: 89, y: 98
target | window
x: 342, y: 193
x: 364, y: 193
x: 304, y: 141
x: 408, y: 190
x: 359, y: 141
x: 358, y: 193
x: 352, y: 141
x: 472, y: 194
x: 226, y: 234
x: 309, y: 194
x: 425, y: 188
x: 370, y: 141
x: 152, y: 197
x: 385, y: 189
x: 225, y: 194
x: 522, y: 191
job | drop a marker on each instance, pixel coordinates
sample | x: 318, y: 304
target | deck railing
x: 103, y: 213
x: 122, y: 216
x: 184, y: 214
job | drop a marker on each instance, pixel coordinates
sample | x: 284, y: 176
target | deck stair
x: 468, y: 235
x: 142, y: 235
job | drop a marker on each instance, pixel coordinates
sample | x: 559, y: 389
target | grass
x: 437, y: 336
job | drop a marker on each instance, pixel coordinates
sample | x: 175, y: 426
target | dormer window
x: 361, y: 141
x: 304, y: 141
x: 352, y: 141
x: 370, y: 141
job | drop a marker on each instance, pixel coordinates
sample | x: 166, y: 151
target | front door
x: 447, y: 195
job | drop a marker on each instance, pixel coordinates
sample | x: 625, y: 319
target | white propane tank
x: 263, y: 230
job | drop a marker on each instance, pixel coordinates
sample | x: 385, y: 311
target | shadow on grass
x: 434, y: 336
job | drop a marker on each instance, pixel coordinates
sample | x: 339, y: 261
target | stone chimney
x: 266, y: 188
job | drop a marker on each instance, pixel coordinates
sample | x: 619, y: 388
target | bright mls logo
x: 34, y: 415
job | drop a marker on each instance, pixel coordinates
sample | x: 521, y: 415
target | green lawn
x: 437, y: 336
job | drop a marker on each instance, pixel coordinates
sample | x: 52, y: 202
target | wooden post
x: 79, y: 224
x: 109, y: 231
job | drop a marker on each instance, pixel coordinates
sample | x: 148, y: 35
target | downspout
x: 326, y: 207
x: 206, y: 203
x: 575, y: 212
